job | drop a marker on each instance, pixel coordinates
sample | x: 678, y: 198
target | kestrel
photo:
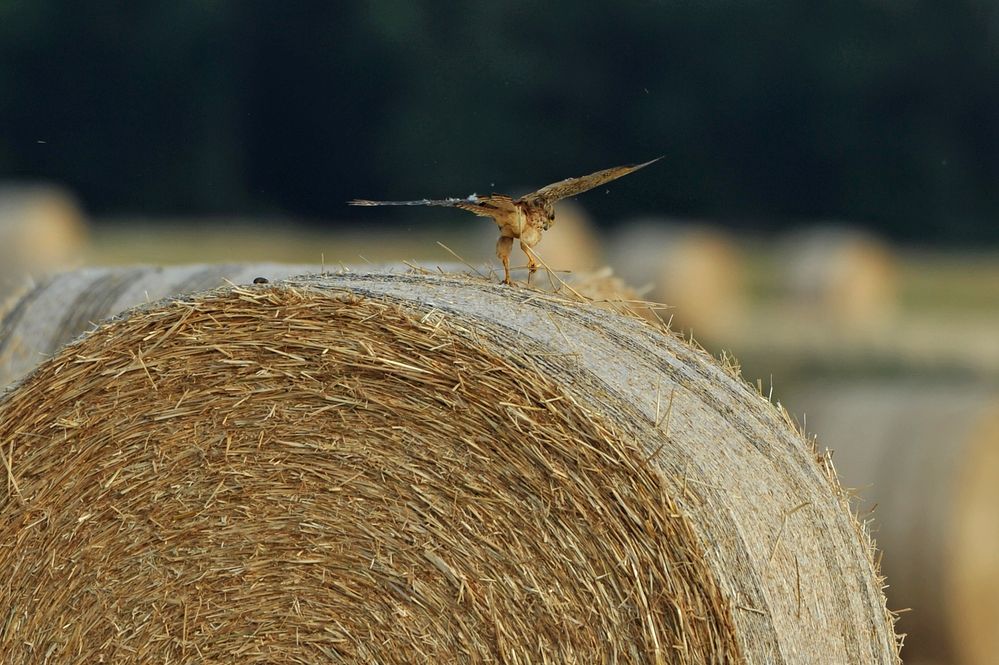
x: 525, y: 217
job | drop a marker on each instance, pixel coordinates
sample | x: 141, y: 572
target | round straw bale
x: 42, y: 229
x: 696, y: 269
x: 928, y: 459
x: 845, y: 276
x: 416, y: 468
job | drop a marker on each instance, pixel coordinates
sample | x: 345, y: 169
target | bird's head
x: 548, y: 219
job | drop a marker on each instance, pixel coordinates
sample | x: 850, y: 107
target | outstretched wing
x: 485, y: 206
x: 420, y: 202
x: 572, y: 186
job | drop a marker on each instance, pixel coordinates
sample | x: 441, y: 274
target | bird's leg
x: 503, y: 248
x: 532, y: 261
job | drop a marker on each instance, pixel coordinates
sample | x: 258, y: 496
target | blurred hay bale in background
x: 695, y: 269
x: 42, y: 229
x: 928, y: 458
x: 844, y: 277
x: 574, y: 242
x: 398, y: 467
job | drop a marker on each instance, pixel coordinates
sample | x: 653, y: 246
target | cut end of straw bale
x: 414, y: 468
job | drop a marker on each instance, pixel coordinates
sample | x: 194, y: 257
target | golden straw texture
x: 38, y: 320
x: 416, y: 468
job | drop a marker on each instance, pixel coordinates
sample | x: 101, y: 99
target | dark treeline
x: 882, y: 112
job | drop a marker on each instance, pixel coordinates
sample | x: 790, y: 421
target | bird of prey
x: 525, y: 217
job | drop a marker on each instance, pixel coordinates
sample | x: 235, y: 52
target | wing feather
x: 451, y: 203
x: 485, y: 206
x: 572, y: 186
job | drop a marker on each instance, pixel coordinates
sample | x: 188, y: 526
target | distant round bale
x: 42, y: 229
x: 401, y: 468
x: 694, y: 268
x: 846, y: 276
x: 574, y: 242
x: 926, y: 460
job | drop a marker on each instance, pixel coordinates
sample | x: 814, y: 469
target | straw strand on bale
x: 415, y: 468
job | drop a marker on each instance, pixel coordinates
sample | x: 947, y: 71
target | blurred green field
x: 219, y: 240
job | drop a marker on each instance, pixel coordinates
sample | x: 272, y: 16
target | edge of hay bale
x: 925, y: 461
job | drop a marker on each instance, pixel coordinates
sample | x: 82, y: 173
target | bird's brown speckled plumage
x: 524, y: 218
